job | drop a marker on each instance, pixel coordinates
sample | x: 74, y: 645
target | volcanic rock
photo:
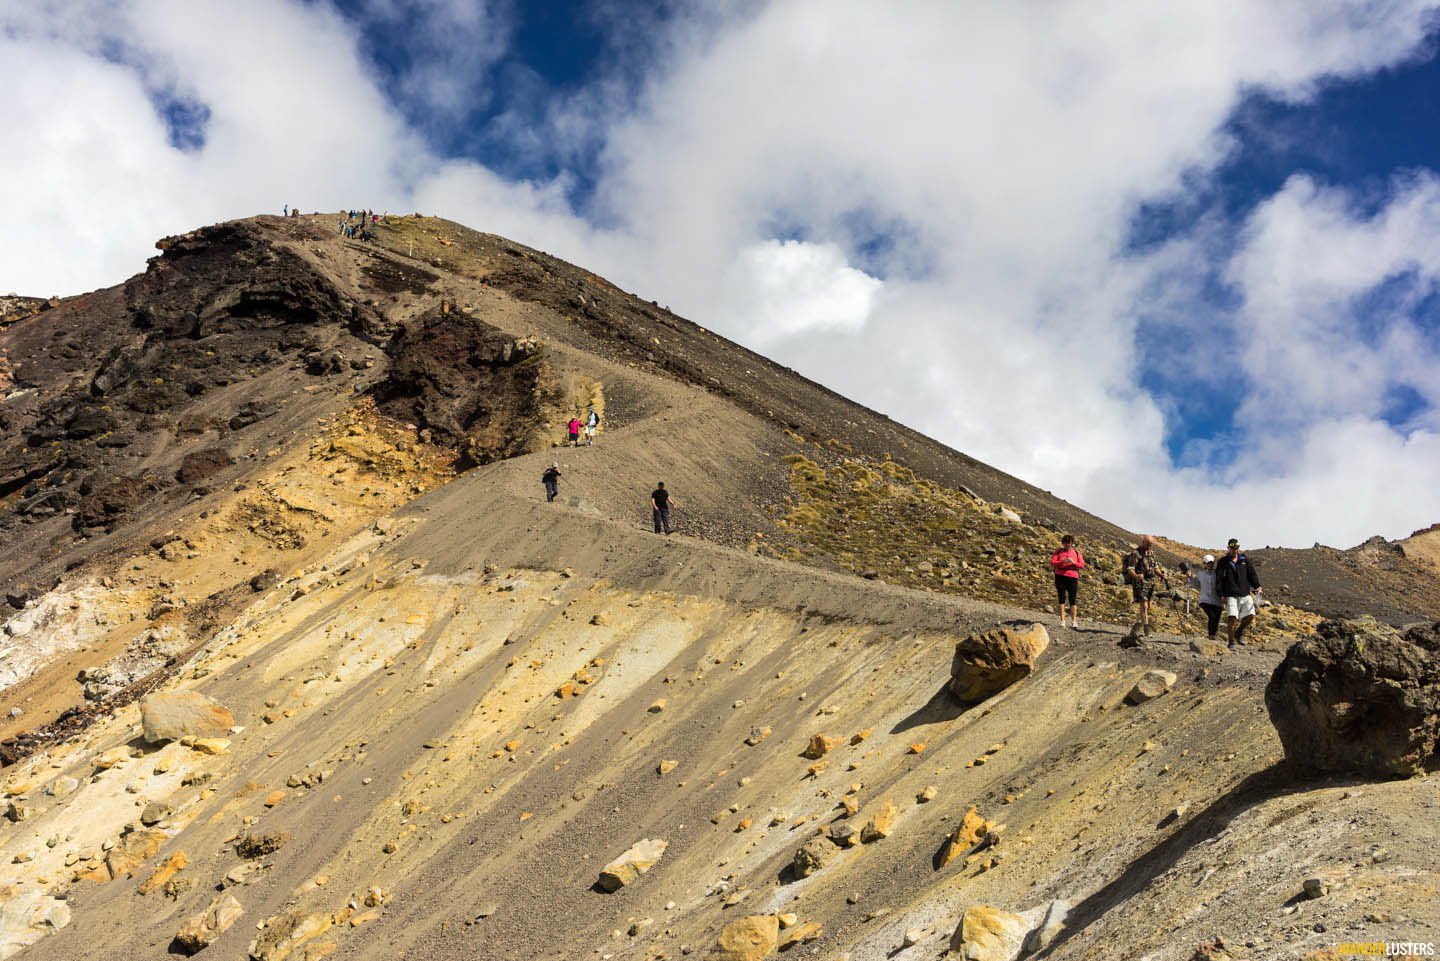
x: 747, y: 939
x: 1357, y: 698
x: 171, y: 716
x: 201, y: 930
x: 989, y: 662
x: 1151, y: 686
x: 813, y: 855
x: 989, y: 934
x: 640, y: 858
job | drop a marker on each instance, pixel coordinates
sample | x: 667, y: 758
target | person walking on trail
x: 574, y: 429
x: 551, y: 480
x: 660, y: 501
x: 1142, y: 570
x: 1067, y: 562
x: 1203, y: 580
x: 287, y: 210
x: 592, y: 424
x: 1237, y: 584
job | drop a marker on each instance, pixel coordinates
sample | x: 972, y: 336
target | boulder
x: 133, y: 850
x: 820, y: 745
x: 747, y: 939
x: 284, y: 934
x: 1151, y: 686
x: 881, y: 823
x: 1051, y: 924
x: 972, y: 831
x: 26, y: 916
x: 627, y: 867
x: 813, y: 855
x: 201, y: 930
x: 989, y: 934
x: 1359, y: 698
x: 991, y: 661
x: 171, y: 716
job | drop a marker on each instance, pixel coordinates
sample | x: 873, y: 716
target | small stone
x: 154, y: 813
x: 843, y: 834
x: 881, y: 823
x: 641, y: 857
x: 813, y: 855
x: 1150, y: 686
x: 757, y: 735
x: 658, y: 706
x: 665, y: 767
x: 202, y: 929
x: 928, y: 794
x: 914, y: 936
x: 819, y: 746
x: 747, y: 939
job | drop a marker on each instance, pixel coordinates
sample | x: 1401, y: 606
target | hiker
x: 660, y: 501
x: 574, y: 429
x: 551, y: 480
x: 1141, y: 572
x: 287, y: 210
x: 1067, y: 562
x: 1237, y: 584
x: 592, y: 424
x: 1203, y: 580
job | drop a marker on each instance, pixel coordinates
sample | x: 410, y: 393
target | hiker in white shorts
x: 1237, y: 584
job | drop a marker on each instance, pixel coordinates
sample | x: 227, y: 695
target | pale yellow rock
x: 641, y: 857
x: 819, y: 746
x: 987, y: 663
x: 211, y: 745
x: 665, y: 767
x: 202, y: 929
x: 747, y: 939
x: 881, y: 823
x: 169, y: 716
x: 989, y: 934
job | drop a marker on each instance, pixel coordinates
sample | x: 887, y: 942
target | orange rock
x: 274, y: 798
x: 171, y: 866
x: 819, y: 746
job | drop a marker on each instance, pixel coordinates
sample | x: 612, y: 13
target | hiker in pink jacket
x: 574, y: 428
x: 1068, y: 562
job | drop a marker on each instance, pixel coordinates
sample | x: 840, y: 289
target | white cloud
x: 964, y: 175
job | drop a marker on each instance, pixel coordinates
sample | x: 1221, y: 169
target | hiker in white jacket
x: 1203, y: 580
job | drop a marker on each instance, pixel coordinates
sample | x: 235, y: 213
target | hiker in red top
x: 574, y: 432
x: 1067, y: 562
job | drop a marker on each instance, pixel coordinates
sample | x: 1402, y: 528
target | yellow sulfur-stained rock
x: 989, y: 934
x: 881, y: 823
x: 819, y: 746
x: 747, y: 939
x: 198, y: 932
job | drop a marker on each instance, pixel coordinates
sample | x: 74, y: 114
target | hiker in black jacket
x: 1237, y: 584
x: 551, y: 480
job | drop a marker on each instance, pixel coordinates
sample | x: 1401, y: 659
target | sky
x: 1177, y: 263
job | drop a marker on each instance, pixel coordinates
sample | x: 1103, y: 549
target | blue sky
x: 1196, y: 244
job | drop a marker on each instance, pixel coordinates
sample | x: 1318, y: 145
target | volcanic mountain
x: 296, y: 477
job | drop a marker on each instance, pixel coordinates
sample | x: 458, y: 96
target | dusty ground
x: 445, y: 690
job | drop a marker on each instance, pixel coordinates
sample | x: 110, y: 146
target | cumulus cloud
x: 962, y: 180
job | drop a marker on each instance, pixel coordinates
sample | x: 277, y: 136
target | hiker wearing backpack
x: 592, y: 425
x: 1237, y: 584
x: 551, y: 480
x: 1067, y: 562
x: 1142, y: 570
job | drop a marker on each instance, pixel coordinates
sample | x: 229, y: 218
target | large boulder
x: 171, y: 716
x: 991, y: 661
x: 747, y: 939
x: 627, y: 867
x: 813, y: 855
x: 1359, y: 698
x: 989, y: 934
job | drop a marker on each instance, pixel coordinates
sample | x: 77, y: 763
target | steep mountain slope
x: 301, y: 476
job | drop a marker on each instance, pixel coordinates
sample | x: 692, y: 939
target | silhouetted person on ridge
x: 660, y: 501
x: 551, y: 480
x: 1237, y: 583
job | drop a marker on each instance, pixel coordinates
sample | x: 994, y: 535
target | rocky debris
x: 1322, y: 884
x: 972, y: 832
x: 1151, y: 686
x: 282, y: 935
x: 171, y: 716
x: 26, y: 916
x: 747, y: 939
x: 989, y: 662
x: 813, y: 855
x: 1358, y: 698
x: 1052, y: 923
x: 881, y: 823
x: 757, y: 734
x: 132, y: 850
x: 252, y: 846
x: 843, y: 834
x: 201, y: 465
x: 820, y: 745
x: 201, y: 930
x: 1218, y: 950
x: 989, y: 934
x: 641, y: 857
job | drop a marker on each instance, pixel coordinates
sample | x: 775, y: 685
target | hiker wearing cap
x: 1237, y: 584
x: 660, y: 501
x: 1067, y: 562
x: 1142, y: 570
x: 1203, y: 580
x: 592, y: 424
x: 551, y: 480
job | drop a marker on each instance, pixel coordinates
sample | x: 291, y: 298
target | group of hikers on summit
x: 1228, y: 586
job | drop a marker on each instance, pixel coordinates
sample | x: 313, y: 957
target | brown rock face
x: 989, y: 662
x: 747, y: 939
x: 1358, y: 698
x: 205, y: 927
x: 169, y: 717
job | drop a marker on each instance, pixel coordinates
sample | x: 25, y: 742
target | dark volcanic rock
x: 1359, y: 698
x: 201, y: 464
x: 472, y: 386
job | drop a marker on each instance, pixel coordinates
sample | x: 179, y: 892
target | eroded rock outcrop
x: 991, y: 661
x: 1357, y: 697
